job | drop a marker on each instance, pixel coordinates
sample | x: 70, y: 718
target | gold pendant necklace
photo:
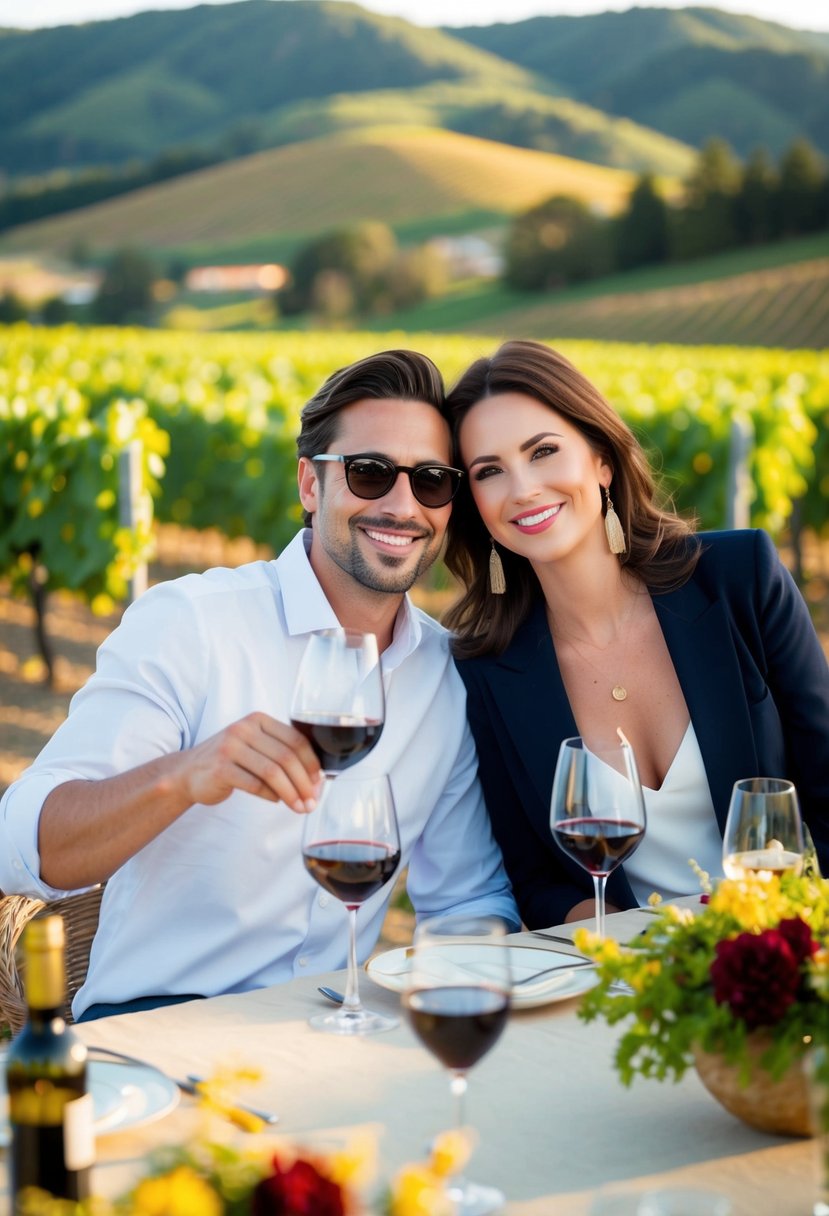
x: 618, y: 692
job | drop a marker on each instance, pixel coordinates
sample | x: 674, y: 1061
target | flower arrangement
x: 205, y: 1178
x: 753, y: 960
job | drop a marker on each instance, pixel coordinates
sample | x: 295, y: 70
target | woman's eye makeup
x: 485, y: 471
x: 545, y: 449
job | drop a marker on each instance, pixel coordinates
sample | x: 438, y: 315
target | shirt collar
x: 307, y: 609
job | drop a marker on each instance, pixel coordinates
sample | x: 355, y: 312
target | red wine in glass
x: 351, y: 847
x: 338, y: 739
x: 457, y: 1000
x: 597, y: 809
x: 598, y: 844
x: 458, y: 1025
x: 351, y: 870
x: 338, y: 701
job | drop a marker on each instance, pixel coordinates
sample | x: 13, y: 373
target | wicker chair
x: 80, y: 918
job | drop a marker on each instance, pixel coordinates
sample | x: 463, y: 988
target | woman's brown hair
x: 661, y: 547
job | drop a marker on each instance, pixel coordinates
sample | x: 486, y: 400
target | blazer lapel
x: 529, y: 695
x: 701, y: 646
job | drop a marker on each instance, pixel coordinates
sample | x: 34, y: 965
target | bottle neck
x: 45, y: 982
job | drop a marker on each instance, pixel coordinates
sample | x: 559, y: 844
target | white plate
x: 124, y: 1095
x: 391, y: 970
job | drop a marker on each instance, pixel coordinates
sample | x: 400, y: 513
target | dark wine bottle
x: 50, y: 1111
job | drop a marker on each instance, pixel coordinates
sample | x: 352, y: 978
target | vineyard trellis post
x: 738, y: 493
x: 130, y: 498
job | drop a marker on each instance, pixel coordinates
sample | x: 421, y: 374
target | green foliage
x: 126, y: 291
x: 801, y: 197
x: 360, y: 271
x: 724, y: 204
x: 219, y: 415
x: 556, y: 243
x: 12, y: 309
x: 59, y: 487
x: 641, y: 232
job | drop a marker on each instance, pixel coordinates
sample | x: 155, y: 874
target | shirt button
x: 303, y: 962
x: 324, y: 901
x: 18, y: 866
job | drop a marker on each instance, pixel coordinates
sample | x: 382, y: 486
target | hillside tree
x: 755, y: 200
x: 560, y: 241
x: 126, y: 292
x: 705, y: 224
x: 801, y: 191
x: 641, y: 234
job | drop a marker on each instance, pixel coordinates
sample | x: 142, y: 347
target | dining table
x: 555, y: 1128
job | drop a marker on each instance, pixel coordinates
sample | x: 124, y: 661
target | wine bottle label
x: 79, y: 1133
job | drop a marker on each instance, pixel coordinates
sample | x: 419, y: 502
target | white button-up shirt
x: 220, y: 901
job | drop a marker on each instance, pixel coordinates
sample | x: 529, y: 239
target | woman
x: 614, y: 613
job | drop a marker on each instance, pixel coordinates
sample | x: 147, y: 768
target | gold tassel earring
x: 613, y: 527
x: 497, y: 581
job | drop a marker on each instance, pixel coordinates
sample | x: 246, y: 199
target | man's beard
x: 398, y: 576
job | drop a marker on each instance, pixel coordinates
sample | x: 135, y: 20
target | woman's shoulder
x: 735, y: 549
x: 522, y: 651
x: 741, y: 565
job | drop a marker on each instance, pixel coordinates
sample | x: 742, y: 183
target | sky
x: 801, y: 14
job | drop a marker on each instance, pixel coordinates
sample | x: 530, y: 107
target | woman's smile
x: 538, y: 520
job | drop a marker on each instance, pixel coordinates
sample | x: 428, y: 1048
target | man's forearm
x: 88, y: 829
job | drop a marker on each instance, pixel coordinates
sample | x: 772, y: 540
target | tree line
x: 726, y: 204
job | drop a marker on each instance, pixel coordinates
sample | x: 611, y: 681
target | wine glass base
x: 353, y: 1021
x: 474, y: 1199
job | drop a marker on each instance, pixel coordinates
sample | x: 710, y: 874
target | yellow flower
x: 356, y: 1165
x: 180, y: 1193
x: 450, y: 1152
x: 418, y: 1191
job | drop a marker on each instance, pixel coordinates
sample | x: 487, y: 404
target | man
x: 174, y: 777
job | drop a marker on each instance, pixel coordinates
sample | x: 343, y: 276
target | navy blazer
x: 755, y: 681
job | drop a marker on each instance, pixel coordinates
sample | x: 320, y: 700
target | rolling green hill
x: 399, y: 175
x: 108, y: 90
x: 518, y: 116
x: 692, y: 73
x: 230, y: 79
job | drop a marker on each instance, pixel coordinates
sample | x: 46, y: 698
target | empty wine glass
x: 764, y: 830
x: 338, y: 701
x: 457, y: 999
x: 351, y: 846
x: 597, y: 813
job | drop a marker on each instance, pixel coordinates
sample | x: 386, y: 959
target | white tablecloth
x: 555, y: 1125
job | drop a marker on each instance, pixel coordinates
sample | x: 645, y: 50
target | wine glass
x: 457, y: 999
x: 338, y: 701
x: 597, y: 810
x: 351, y: 846
x: 763, y: 831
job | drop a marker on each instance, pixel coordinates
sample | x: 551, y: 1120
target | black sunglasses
x: 433, y: 485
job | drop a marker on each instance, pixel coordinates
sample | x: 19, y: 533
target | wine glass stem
x: 599, y: 881
x: 352, y: 994
x: 457, y: 1087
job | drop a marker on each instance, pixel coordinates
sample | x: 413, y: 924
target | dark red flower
x: 757, y: 975
x: 798, y: 937
x: 299, y: 1190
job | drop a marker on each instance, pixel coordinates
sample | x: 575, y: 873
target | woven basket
x: 780, y: 1107
x: 80, y: 919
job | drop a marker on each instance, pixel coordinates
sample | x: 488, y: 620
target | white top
x: 681, y: 824
x: 220, y: 901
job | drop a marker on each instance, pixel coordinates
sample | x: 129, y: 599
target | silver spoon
x: 332, y: 994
